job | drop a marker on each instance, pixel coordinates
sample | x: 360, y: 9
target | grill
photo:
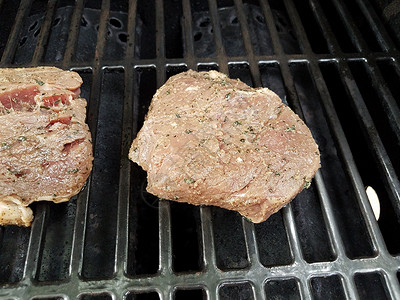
x: 335, y: 62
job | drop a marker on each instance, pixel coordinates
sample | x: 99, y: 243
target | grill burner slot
x: 332, y: 61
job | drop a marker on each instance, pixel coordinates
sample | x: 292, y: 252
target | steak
x: 211, y: 140
x: 45, y: 144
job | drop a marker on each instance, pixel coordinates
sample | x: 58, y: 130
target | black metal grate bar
x: 12, y: 42
x: 73, y: 34
x: 338, y: 270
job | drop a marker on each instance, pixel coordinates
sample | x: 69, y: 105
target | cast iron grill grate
x: 333, y: 62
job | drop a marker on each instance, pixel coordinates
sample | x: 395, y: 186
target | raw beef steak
x: 45, y: 144
x: 211, y: 140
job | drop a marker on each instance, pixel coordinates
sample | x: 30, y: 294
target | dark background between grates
x: 334, y: 62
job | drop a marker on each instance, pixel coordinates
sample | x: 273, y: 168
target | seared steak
x: 45, y: 144
x: 208, y: 139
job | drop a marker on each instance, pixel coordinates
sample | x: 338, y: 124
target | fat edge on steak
x: 211, y: 140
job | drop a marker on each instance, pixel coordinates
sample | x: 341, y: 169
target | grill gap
x: 371, y: 286
x: 283, y: 288
x: 269, y: 234
x: 230, y: 29
x: 89, y: 26
x: 14, y: 246
x: 241, y: 71
x: 103, y: 296
x: 259, y: 32
x: 48, y: 298
x: 327, y: 287
x: 315, y: 242
x: 230, y: 247
x: 346, y: 210
x: 237, y: 290
x: 391, y: 75
x: 143, y: 208
x: 5, y: 24
x: 30, y: 32
x: 117, y: 36
x: 284, y: 28
x: 374, y: 102
x: 173, y: 29
x: 313, y: 30
x: 185, y: 230
x: 145, y: 30
x: 142, y: 296
x: 364, y: 26
x: 101, y: 223
x: 56, y: 249
x: 193, y: 294
x: 369, y: 172
x: 59, y: 32
x: 341, y: 33
x: 203, y: 31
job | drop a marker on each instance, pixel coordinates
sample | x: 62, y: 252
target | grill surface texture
x: 334, y: 62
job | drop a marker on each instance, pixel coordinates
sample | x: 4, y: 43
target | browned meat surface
x: 208, y: 139
x: 45, y: 144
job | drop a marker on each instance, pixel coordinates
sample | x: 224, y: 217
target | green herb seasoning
x: 39, y: 82
x: 307, y: 183
x: 236, y: 123
x: 291, y: 128
x: 44, y: 107
x: 21, y: 138
x: 189, y: 180
x: 188, y: 131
